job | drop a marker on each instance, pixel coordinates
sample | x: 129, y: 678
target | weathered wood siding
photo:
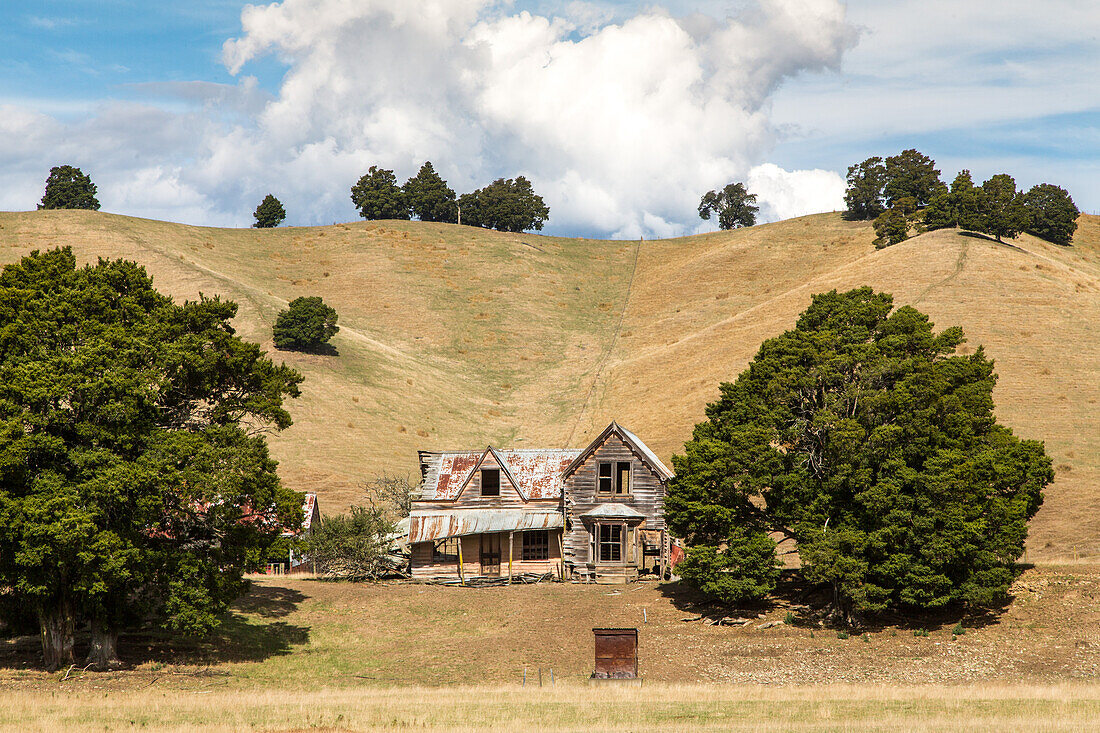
x: 647, y: 496
x: 423, y: 567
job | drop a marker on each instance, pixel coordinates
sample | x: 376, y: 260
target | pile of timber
x: 486, y: 581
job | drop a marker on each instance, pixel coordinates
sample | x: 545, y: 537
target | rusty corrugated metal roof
x: 537, y: 473
x: 430, y: 525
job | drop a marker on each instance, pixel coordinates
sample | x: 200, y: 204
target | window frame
x: 530, y: 550
x: 484, y: 471
x: 617, y: 487
x: 610, y: 478
x: 601, y: 543
x: 439, y: 557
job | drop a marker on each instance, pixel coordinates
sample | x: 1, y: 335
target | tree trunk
x: 56, y: 626
x: 103, y: 653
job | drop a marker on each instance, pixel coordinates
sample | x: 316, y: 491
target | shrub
x: 958, y: 630
x: 921, y: 633
x: 842, y: 635
x: 305, y: 324
x: 352, y: 546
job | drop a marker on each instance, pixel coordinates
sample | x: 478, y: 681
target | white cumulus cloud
x: 620, y: 121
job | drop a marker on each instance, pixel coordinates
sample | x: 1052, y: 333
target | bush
x: 305, y: 324
x: 352, y: 546
x: 69, y: 188
x: 1052, y: 215
x: 958, y: 630
x: 891, y: 227
x: 842, y: 635
x: 921, y: 633
x: 743, y: 569
x: 270, y: 213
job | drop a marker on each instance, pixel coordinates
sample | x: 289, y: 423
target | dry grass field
x: 301, y: 654
x: 455, y: 337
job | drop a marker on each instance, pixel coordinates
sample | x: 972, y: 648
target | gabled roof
x: 536, y: 474
x: 648, y: 457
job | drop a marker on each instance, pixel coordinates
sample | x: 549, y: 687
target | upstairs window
x: 536, y: 545
x: 490, y: 482
x: 622, y: 478
x: 606, y: 478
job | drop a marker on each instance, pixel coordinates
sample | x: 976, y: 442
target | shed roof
x: 430, y: 525
x: 536, y: 474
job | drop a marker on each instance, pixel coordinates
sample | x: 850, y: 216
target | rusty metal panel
x: 616, y: 653
x: 432, y: 525
x: 537, y: 473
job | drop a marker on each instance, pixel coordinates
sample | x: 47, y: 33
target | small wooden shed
x: 616, y: 654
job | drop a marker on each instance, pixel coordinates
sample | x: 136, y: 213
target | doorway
x: 490, y: 554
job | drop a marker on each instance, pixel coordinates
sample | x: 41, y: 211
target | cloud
x: 620, y: 120
x: 787, y: 194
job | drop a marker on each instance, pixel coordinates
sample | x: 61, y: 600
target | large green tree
x: 865, y: 197
x: 1052, y: 215
x: 959, y: 207
x: 134, y: 477
x: 307, y: 323
x: 863, y: 437
x: 429, y: 197
x: 1003, y: 213
x: 377, y: 196
x: 911, y: 174
x: 506, y: 205
x: 735, y: 206
x: 69, y: 188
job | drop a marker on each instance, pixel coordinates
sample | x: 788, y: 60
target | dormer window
x: 490, y: 482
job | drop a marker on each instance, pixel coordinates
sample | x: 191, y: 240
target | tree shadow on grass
x: 320, y: 350
x: 245, y: 634
x: 810, y: 605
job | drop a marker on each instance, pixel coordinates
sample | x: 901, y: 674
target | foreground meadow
x: 301, y: 654
x: 567, y: 706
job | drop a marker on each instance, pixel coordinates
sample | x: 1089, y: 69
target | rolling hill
x: 453, y: 337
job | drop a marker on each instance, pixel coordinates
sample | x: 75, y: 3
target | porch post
x: 511, y: 534
x: 461, y: 577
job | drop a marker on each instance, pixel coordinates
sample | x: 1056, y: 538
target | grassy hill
x: 455, y: 337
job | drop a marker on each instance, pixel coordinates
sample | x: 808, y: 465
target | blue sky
x: 776, y: 92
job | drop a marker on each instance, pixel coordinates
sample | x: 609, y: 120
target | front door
x: 490, y: 554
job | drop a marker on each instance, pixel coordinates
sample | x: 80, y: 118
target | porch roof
x: 613, y: 511
x: 426, y: 526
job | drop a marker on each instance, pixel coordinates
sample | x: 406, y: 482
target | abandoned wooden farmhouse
x: 595, y: 514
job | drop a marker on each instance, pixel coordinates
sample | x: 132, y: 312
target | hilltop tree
x: 269, y: 214
x: 735, y: 206
x: 133, y: 483
x: 960, y: 207
x: 1052, y: 215
x: 69, y: 188
x: 1002, y: 212
x: 914, y: 175
x: 861, y: 436
x: 429, y: 197
x: 506, y: 205
x: 305, y: 324
x: 377, y: 196
x: 865, y: 196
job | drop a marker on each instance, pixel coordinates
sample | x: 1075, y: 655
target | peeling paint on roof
x: 538, y: 473
x: 425, y: 526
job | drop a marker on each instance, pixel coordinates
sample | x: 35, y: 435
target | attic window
x: 490, y: 482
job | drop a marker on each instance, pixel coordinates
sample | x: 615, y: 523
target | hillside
x: 455, y: 337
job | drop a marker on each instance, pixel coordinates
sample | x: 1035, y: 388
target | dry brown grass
x: 571, y: 707
x: 455, y: 337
